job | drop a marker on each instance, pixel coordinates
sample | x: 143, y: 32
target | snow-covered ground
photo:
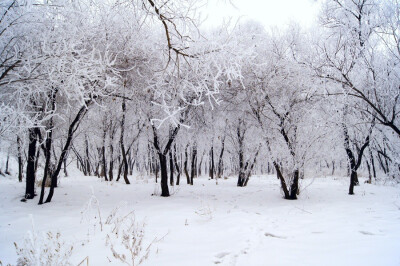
x: 209, y: 224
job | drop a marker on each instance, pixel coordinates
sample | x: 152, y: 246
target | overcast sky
x: 270, y: 13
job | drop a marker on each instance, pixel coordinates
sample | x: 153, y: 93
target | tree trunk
x: 71, y: 130
x: 294, y: 187
x: 194, y: 164
x: 103, y: 155
x: 30, y: 167
x: 372, y: 163
x: 111, y: 169
x: 211, y: 172
x: 353, y: 181
x: 369, y: 172
x: 178, y: 170
x: 185, y: 165
x: 353, y: 163
x: 282, y: 179
x: 240, y: 139
x: 7, y: 172
x: 87, y: 159
x: 171, y: 168
x: 20, y: 161
x: 220, y: 160
x: 121, y: 141
x: 65, y: 165
x: 49, y: 141
x: 164, y: 175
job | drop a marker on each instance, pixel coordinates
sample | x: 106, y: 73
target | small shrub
x: 126, y: 238
x: 44, y: 249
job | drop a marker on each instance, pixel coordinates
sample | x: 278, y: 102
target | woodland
x: 121, y: 89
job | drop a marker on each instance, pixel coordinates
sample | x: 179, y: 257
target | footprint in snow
x: 220, y: 257
x: 275, y: 236
x: 367, y: 233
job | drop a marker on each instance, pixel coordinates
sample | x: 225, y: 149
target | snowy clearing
x: 222, y: 224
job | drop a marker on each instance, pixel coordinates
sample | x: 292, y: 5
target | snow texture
x: 209, y: 224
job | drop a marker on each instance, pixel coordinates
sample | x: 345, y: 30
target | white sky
x: 270, y: 13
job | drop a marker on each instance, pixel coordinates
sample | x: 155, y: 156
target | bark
x: 79, y: 160
x: 294, y: 186
x: 282, y: 179
x: 121, y: 141
x: 240, y: 138
x: 372, y: 163
x: 7, y: 172
x: 111, y: 169
x: 194, y: 164
x: 220, y: 159
x: 65, y: 166
x: 353, y: 162
x: 369, y: 172
x: 185, y: 165
x: 49, y: 142
x: 178, y: 171
x: 171, y: 169
x: 87, y: 159
x: 71, y: 131
x: 162, y: 155
x: 164, y: 175
x: 30, y: 167
x: 20, y: 161
x: 211, y: 172
x: 250, y: 166
x: 103, y: 154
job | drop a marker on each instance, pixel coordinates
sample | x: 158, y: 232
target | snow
x: 222, y: 224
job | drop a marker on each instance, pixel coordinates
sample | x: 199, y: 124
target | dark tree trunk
x: 185, y: 165
x: 37, y: 158
x: 124, y: 159
x: 250, y: 166
x: 30, y: 167
x: 162, y: 155
x: 369, y: 172
x: 103, y: 155
x: 294, y: 187
x: 240, y: 139
x: 178, y: 170
x: 220, y: 159
x: 49, y: 141
x: 194, y: 164
x: 164, y: 175
x: 111, y: 169
x: 282, y: 179
x: 372, y: 163
x: 171, y: 169
x: 71, y: 130
x: 353, y: 181
x: 212, y: 170
x: 353, y: 163
x: 7, y: 172
x: 87, y: 159
x: 20, y: 161
x: 65, y: 165
x: 79, y: 161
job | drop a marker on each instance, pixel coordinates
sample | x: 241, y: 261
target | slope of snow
x: 222, y: 224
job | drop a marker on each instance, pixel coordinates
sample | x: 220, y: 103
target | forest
x: 127, y: 94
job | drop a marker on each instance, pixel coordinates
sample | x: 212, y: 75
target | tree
x: 360, y: 52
